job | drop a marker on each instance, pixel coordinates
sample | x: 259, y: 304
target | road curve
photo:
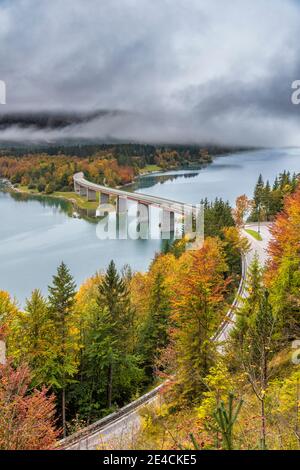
x: 121, y: 424
x: 258, y: 248
x: 126, y: 422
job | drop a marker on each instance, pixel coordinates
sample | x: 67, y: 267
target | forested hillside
x: 111, y: 165
x: 101, y: 346
x: 268, y: 198
x: 246, y: 396
x: 80, y: 353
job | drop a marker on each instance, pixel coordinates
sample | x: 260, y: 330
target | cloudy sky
x: 179, y: 70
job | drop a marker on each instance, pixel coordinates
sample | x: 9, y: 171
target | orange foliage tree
x: 283, y: 270
x: 243, y: 206
x: 198, y: 308
x: 27, y: 420
x: 49, y: 173
x: 286, y: 233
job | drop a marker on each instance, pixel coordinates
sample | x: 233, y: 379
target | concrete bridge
x: 97, y: 192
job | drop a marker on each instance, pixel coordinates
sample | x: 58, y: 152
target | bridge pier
x: 82, y: 191
x: 144, y: 201
x: 167, y: 222
x: 121, y: 205
x: 103, y: 198
x: 143, y: 212
x: 91, y: 195
x: 76, y: 188
x: 143, y: 217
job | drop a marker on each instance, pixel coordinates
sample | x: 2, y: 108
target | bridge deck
x: 166, y: 204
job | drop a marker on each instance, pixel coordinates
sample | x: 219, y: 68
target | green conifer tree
x: 61, y: 304
x: 155, y: 337
x: 114, y: 299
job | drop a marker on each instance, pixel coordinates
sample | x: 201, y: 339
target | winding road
x: 121, y: 427
x: 258, y: 248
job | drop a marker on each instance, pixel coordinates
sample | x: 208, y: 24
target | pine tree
x: 275, y: 184
x: 108, y: 346
x: 155, y: 335
x: 250, y: 302
x: 114, y: 298
x: 258, y: 197
x: 294, y: 182
x: 217, y: 215
x: 98, y: 356
x: 254, y: 338
x: 266, y: 198
x: 258, y: 191
x: 61, y: 302
x: 284, y: 295
x: 257, y: 355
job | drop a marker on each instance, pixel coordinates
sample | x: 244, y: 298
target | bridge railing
x: 100, y: 424
x: 230, y: 314
x: 168, y: 204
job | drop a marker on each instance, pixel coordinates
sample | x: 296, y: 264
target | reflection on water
x: 36, y: 235
x: 161, y: 178
x: 60, y: 204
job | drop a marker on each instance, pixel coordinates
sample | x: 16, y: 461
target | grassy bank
x: 150, y: 169
x: 76, y: 199
x: 254, y: 234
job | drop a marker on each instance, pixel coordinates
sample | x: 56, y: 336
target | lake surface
x: 35, y: 237
x: 227, y: 177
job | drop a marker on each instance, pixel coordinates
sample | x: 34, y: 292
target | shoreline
x: 71, y: 199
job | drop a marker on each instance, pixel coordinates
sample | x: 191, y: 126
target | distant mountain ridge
x: 51, y: 120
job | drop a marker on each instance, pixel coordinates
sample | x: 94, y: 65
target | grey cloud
x: 181, y: 70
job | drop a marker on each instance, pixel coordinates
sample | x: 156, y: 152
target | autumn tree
x: 8, y: 309
x: 283, y: 273
x: 285, y: 398
x: 217, y: 385
x: 31, y: 337
x: 27, y: 418
x: 243, y: 206
x: 108, y: 332
x: 48, y: 173
x: 85, y: 393
x: 236, y: 246
x: 198, y: 306
x: 254, y: 339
